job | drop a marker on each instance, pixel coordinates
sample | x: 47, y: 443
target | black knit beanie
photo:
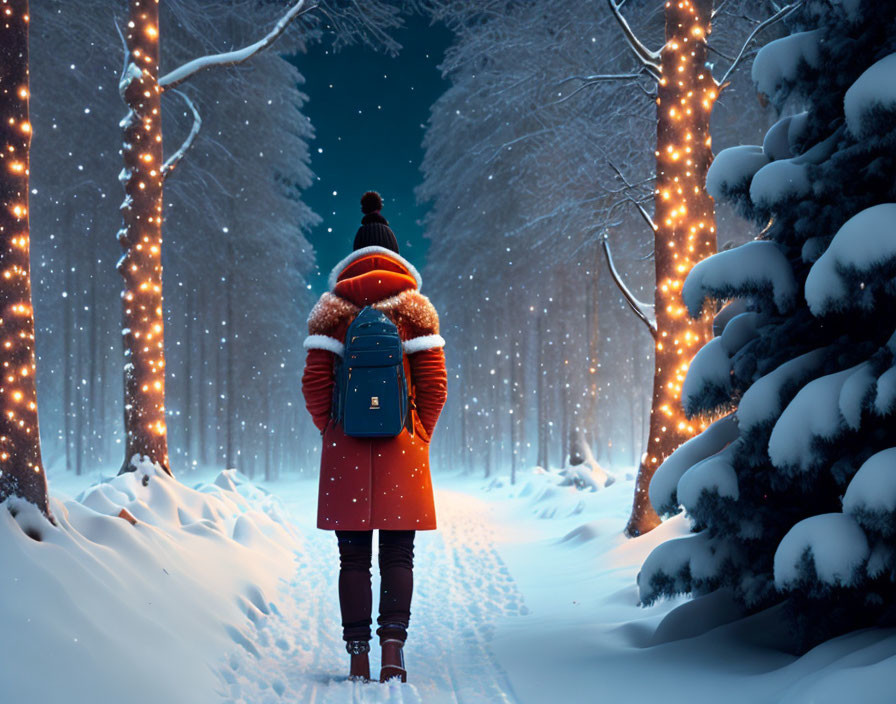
x: 374, y: 230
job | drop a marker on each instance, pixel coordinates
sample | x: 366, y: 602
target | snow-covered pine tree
x: 792, y: 496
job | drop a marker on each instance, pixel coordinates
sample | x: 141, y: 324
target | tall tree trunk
x: 21, y: 467
x: 187, y: 418
x: 68, y: 332
x: 203, y: 386
x: 268, y: 444
x: 684, y: 216
x: 141, y: 239
x: 100, y: 336
x: 230, y: 405
x: 564, y: 416
x: 220, y: 393
x: 541, y: 394
x: 592, y: 331
x: 514, y: 410
x: 80, y: 393
x: 93, y: 331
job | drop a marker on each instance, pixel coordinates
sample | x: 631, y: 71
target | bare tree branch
x: 649, y: 59
x: 644, y: 214
x: 718, y: 9
x: 642, y: 310
x: 588, y: 81
x: 175, y: 158
x: 778, y: 16
x: 515, y: 141
x: 232, y: 58
x: 124, y: 46
x: 725, y: 56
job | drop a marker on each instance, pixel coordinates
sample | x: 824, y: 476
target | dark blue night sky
x: 369, y: 111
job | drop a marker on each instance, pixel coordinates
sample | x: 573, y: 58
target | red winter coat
x: 376, y: 483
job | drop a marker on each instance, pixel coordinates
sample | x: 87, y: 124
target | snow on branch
x: 768, y: 22
x: 641, y: 209
x: 642, y: 310
x: 757, y: 269
x: 649, y: 59
x: 175, y: 158
x: 588, y: 81
x: 232, y: 58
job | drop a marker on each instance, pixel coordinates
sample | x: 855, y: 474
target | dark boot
x: 393, y: 660
x: 359, y: 669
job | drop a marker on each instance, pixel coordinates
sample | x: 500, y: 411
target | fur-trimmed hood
x: 411, y: 311
x: 366, y: 252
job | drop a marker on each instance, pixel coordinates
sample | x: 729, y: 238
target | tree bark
x: 230, y: 404
x: 684, y: 216
x: 203, y: 387
x: 141, y: 238
x: 187, y: 417
x: 92, y: 419
x: 21, y: 467
x: 592, y: 320
x: 514, y: 410
x: 541, y: 394
x: 80, y: 392
x: 68, y: 332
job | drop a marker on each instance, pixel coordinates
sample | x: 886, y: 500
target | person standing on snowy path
x: 375, y: 483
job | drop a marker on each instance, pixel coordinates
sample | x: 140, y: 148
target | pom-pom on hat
x: 374, y: 230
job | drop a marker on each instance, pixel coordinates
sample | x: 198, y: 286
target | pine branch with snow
x: 791, y: 495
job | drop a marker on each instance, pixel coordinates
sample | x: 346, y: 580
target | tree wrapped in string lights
x: 141, y: 238
x: 143, y: 178
x: 683, y: 220
x: 21, y: 469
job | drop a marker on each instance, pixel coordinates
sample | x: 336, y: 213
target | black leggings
x: 396, y: 558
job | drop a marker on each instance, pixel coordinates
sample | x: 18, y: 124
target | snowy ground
x: 525, y: 594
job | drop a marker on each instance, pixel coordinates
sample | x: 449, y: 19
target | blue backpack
x: 370, y: 398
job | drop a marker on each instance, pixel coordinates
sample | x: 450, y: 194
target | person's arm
x: 317, y: 385
x: 430, y: 379
x: 326, y: 329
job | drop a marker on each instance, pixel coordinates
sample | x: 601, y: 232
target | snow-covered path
x: 526, y: 594
x: 462, y: 588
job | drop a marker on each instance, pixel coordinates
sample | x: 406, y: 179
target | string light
x: 141, y: 239
x: 21, y: 467
x: 685, y: 213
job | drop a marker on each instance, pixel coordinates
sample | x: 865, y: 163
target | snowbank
x: 106, y: 611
